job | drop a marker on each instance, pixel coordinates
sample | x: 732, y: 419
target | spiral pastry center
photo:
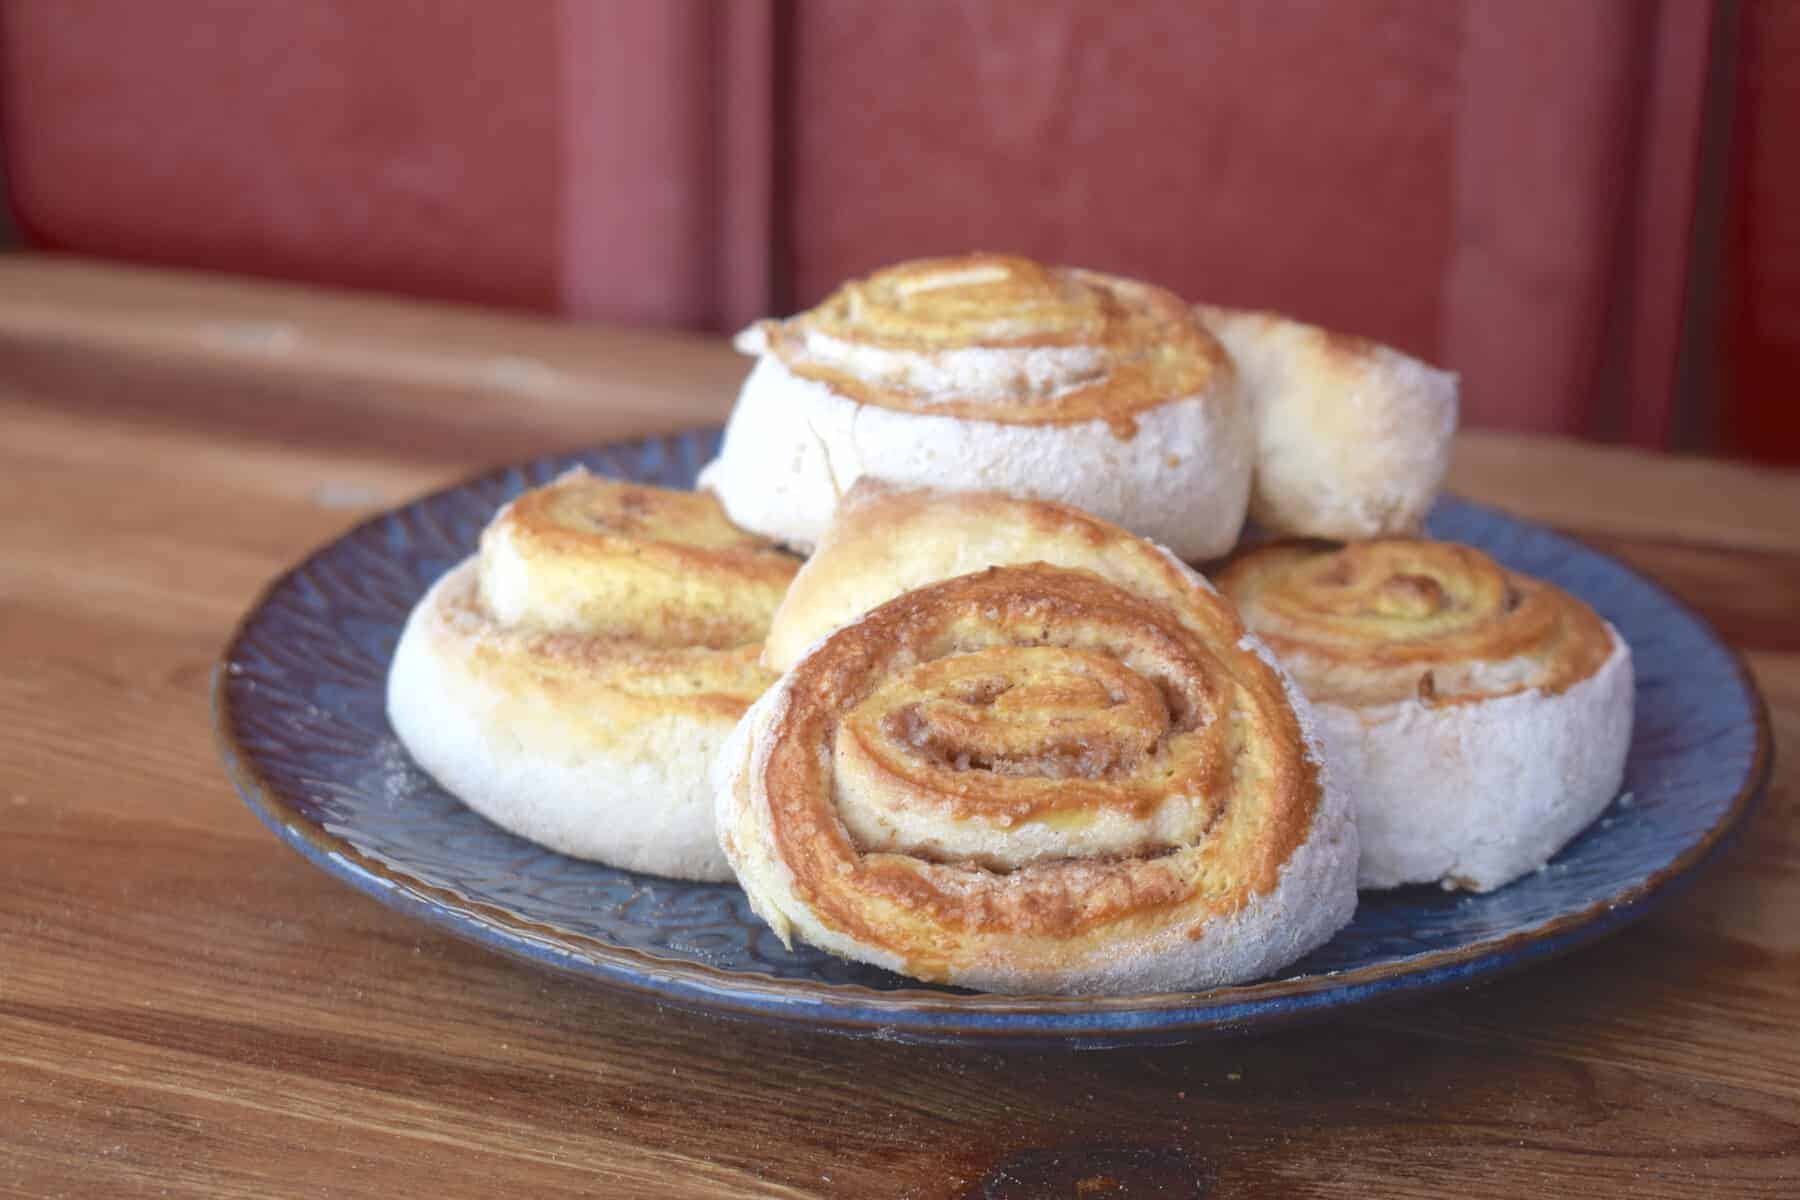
x: 1041, y: 710
x: 1003, y: 339
x: 1078, y: 723
x: 1380, y: 621
x: 1410, y: 598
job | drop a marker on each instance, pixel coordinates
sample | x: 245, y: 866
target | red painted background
x: 1520, y: 191
x: 1760, y: 363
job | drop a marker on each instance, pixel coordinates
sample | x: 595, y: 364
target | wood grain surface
x: 188, y: 1009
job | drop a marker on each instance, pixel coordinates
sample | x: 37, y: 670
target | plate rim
x: 912, y: 1014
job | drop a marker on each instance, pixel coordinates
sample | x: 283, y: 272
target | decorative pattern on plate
x: 301, y: 724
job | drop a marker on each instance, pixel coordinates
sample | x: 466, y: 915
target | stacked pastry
x: 988, y: 372
x: 998, y: 735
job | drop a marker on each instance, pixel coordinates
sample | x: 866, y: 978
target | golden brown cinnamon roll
x: 1038, y: 778
x: 573, y: 681
x: 1352, y: 437
x: 1479, y: 718
x: 992, y: 372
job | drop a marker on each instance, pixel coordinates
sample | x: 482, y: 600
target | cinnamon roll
x: 1479, y: 718
x: 1352, y: 438
x: 573, y: 680
x: 1038, y: 778
x: 998, y: 373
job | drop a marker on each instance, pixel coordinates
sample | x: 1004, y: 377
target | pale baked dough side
x: 794, y: 446
x: 572, y: 765
x: 1353, y: 438
x: 1478, y: 717
x: 885, y: 539
x: 1478, y: 793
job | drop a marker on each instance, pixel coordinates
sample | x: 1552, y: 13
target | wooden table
x: 187, y: 1008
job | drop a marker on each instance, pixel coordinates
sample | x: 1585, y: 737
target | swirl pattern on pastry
x: 1034, y: 779
x: 995, y: 372
x: 573, y: 680
x: 1040, y: 345
x: 1479, y: 717
x: 1376, y: 622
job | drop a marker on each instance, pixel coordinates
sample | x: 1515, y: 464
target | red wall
x: 411, y: 147
x: 1508, y: 189
x: 1761, y: 363
x: 1463, y: 179
x: 555, y: 156
x: 1140, y: 138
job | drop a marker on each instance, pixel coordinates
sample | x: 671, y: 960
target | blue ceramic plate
x: 298, y: 704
